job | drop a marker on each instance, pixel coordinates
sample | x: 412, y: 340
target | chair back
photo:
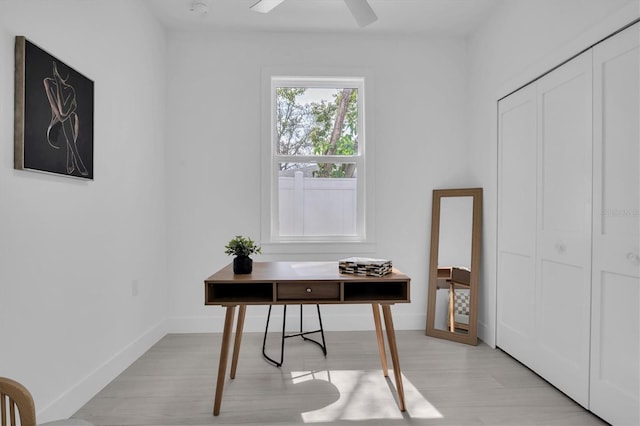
x: 16, y: 404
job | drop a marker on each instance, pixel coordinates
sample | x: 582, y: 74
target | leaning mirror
x: 452, y: 302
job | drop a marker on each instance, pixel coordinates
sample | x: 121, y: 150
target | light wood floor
x: 445, y: 383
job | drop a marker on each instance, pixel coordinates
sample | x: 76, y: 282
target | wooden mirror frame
x: 471, y: 337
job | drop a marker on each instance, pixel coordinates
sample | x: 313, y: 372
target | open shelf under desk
x: 327, y: 292
x: 355, y: 291
x: 236, y: 293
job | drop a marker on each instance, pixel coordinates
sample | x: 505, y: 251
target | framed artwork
x: 53, y: 128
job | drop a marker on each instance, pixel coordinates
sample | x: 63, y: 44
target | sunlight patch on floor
x: 365, y: 395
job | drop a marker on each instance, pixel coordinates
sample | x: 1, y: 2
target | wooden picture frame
x: 53, y: 124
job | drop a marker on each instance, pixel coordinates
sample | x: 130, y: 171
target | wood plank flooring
x: 446, y: 383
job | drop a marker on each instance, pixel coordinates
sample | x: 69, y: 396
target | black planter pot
x: 242, y: 265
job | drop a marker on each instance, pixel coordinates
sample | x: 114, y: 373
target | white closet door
x: 615, y: 326
x: 517, y: 223
x: 563, y: 299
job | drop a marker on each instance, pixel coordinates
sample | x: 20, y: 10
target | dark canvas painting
x: 54, y: 114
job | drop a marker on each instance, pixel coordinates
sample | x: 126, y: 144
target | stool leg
x: 301, y: 320
x: 266, y: 329
x: 324, y: 345
x: 284, y: 327
x: 302, y: 334
x: 264, y: 341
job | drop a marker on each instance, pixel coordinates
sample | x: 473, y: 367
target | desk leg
x: 238, y: 339
x: 452, y: 306
x: 224, y: 354
x: 393, y: 348
x: 383, y: 353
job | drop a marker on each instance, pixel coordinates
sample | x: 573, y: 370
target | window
x: 316, y: 161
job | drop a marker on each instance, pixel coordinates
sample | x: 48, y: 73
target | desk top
x: 296, y: 271
x: 303, y: 282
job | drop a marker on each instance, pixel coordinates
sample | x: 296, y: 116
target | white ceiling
x: 427, y: 17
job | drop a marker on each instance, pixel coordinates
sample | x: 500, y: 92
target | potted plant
x: 242, y: 248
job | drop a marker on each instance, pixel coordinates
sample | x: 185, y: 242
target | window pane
x: 315, y: 203
x: 316, y: 121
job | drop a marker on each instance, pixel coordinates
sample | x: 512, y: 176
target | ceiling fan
x: 360, y: 9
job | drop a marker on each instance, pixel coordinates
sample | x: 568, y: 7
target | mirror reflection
x: 453, y: 271
x: 454, y: 264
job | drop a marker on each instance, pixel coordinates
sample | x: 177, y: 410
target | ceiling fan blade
x: 265, y: 6
x: 361, y: 11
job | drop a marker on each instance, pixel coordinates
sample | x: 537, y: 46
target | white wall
x: 70, y: 249
x: 214, y: 136
x: 522, y: 40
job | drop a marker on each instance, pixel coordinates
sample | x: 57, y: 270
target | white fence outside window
x: 317, y: 206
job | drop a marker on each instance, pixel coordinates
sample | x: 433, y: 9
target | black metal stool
x: 302, y: 334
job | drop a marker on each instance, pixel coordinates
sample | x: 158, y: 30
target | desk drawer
x: 309, y: 291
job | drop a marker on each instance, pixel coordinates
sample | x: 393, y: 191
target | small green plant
x: 241, y: 246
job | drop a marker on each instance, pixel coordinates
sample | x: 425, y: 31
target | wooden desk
x: 281, y: 283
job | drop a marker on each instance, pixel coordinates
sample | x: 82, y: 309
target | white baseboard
x: 75, y: 397
x: 486, y: 334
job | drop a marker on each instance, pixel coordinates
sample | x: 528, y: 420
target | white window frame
x: 271, y: 240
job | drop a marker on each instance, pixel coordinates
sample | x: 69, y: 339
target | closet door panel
x: 562, y: 334
x: 517, y: 168
x: 565, y: 109
x: 615, y: 341
x: 516, y: 313
x: 564, y: 227
x: 517, y: 223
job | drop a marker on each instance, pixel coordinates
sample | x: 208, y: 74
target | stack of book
x: 365, y: 266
